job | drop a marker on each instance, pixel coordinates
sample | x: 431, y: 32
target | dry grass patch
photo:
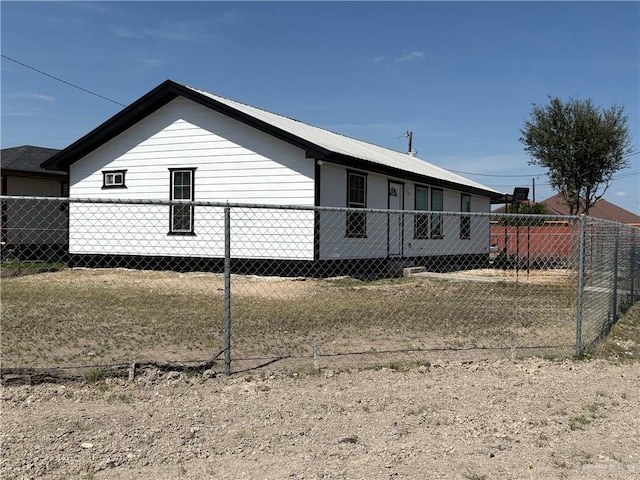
x: 623, y: 342
x: 91, y: 317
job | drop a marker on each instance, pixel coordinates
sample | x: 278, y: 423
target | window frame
x: 173, y: 209
x: 436, y: 224
x: 421, y: 223
x: 113, y: 173
x: 465, y: 220
x: 356, y: 222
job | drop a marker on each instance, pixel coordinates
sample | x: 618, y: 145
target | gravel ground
x: 532, y: 418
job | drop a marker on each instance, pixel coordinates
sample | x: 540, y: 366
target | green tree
x: 525, y: 209
x: 581, y: 145
x: 528, y: 208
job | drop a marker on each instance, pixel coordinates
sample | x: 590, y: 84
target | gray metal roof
x: 341, y: 144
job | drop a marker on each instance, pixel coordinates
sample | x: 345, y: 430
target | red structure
x: 541, y: 246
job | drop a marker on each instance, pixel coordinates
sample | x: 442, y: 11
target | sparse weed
x: 475, y: 476
x: 94, y: 375
x: 592, y: 408
x: 400, y: 366
x: 579, y: 422
x: 560, y: 463
x: 103, y: 386
x: 120, y: 398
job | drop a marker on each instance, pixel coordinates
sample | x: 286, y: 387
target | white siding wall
x: 450, y: 244
x: 233, y: 162
x: 335, y: 245
x: 333, y: 241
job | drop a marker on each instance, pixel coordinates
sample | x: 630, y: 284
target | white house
x: 181, y: 143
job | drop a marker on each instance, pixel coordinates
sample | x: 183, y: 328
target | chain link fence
x: 92, y: 285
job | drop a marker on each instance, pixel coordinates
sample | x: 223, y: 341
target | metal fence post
x: 581, y: 267
x: 227, y: 290
x: 632, y: 273
x: 614, y: 298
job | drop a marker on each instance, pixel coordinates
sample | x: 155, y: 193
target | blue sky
x: 462, y: 76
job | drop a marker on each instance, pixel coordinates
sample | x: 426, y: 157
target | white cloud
x: 174, y: 32
x: 122, y: 33
x: 229, y: 18
x: 391, y: 61
x: 150, y: 63
x: 37, y: 96
x: 92, y: 7
x: 19, y: 114
x: 190, y: 31
x: 621, y: 194
x: 31, y: 96
x: 414, y: 55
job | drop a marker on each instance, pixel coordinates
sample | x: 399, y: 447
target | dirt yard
x: 528, y: 419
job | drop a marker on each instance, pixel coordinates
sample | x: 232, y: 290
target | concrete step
x: 407, y: 272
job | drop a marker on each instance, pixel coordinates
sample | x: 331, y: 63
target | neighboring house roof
x: 602, y: 209
x: 27, y: 158
x: 317, y: 142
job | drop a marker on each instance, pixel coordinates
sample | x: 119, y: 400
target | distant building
x: 603, y: 209
x: 32, y: 225
x: 552, y: 242
x: 22, y: 174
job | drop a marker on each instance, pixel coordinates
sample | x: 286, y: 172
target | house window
x: 356, y: 198
x: 181, y: 216
x: 421, y: 222
x: 113, y: 179
x: 437, y: 205
x: 465, y: 221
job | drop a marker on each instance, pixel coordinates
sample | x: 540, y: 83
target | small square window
x: 113, y: 179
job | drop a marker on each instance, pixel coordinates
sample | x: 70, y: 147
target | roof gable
x: 317, y: 142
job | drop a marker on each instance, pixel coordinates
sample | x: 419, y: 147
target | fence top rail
x: 610, y: 223
x: 124, y: 201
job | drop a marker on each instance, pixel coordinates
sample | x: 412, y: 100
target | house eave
x: 365, y: 165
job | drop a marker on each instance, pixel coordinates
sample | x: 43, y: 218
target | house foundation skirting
x: 369, y: 268
x: 34, y: 252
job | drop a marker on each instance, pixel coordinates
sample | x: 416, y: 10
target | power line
x: 537, y: 175
x: 63, y: 81
x: 492, y: 175
x: 548, y: 184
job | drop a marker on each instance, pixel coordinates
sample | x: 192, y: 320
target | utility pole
x: 409, y: 135
x: 534, y: 189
